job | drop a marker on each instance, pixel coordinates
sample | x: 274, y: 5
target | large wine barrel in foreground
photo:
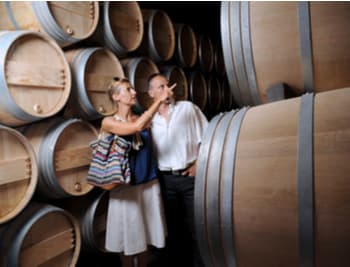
x: 64, y: 155
x: 65, y: 22
x: 18, y: 173
x: 35, y: 80
x: 272, y: 184
x: 120, y: 28
x: 176, y: 75
x: 138, y: 70
x: 93, y: 70
x: 302, y: 44
x: 42, y: 235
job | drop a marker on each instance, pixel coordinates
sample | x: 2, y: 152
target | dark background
x: 203, y: 17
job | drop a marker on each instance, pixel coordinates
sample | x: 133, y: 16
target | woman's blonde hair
x: 115, y: 86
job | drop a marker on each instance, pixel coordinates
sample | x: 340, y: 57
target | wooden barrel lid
x: 42, y: 235
x: 214, y: 94
x: 138, y: 70
x: 186, y: 45
x: 93, y: 72
x: 205, y: 53
x: 36, y: 74
x: 176, y: 75
x: 18, y: 173
x: 160, y: 34
x: 72, y: 156
x: 197, y: 88
x: 123, y: 24
x: 64, y: 155
x: 77, y: 19
x: 102, y: 66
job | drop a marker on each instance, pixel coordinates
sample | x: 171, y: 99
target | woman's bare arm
x: 109, y: 124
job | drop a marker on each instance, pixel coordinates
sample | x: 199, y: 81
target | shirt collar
x: 171, y: 109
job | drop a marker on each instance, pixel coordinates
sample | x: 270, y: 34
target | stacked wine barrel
x: 303, y: 45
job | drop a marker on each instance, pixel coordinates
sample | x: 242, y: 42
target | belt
x: 173, y: 172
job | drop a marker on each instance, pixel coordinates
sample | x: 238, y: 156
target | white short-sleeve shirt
x: 177, y: 140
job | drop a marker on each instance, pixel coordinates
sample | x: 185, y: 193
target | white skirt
x: 135, y: 218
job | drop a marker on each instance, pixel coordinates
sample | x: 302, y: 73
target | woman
x: 135, y: 212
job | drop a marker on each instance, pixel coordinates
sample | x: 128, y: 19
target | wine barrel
x: 138, y: 70
x: 158, y: 41
x: 214, y: 94
x: 42, y: 235
x: 302, y: 44
x: 227, y: 97
x: 276, y: 174
x: 93, y: 70
x: 205, y: 57
x: 35, y: 81
x: 65, y: 22
x: 219, y: 64
x: 176, y: 75
x: 18, y: 173
x: 91, y: 213
x: 64, y: 155
x: 185, y: 46
x: 121, y: 27
x: 197, y: 86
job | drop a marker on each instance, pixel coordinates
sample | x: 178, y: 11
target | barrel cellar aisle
x: 272, y: 79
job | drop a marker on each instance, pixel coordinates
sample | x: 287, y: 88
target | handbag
x: 109, y: 166
x: 142, y: 161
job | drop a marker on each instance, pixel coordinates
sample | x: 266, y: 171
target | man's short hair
x: 151, y: 77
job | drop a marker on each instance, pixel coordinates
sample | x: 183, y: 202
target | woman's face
x: 126, y: 96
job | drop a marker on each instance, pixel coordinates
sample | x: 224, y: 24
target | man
x: 177, y: 129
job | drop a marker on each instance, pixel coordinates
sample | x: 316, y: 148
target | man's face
x: 157, y: 86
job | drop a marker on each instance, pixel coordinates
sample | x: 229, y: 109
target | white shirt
x: 177, y: 140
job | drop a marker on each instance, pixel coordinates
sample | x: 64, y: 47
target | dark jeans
x: 178, y: 197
